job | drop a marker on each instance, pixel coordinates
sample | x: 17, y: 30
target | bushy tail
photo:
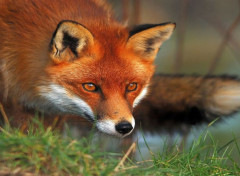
x: 189, y: 99
x: 224, y: 100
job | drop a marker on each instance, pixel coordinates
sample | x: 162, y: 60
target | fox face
x: 100, y: 75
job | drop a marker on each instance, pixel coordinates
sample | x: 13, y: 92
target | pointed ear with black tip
x: 68, y: 41
x: 146, y: 40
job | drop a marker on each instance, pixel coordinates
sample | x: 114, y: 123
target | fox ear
x: 69, y: 40
x: 146, y: 39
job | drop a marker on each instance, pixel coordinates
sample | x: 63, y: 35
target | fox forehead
x: 109, y: 68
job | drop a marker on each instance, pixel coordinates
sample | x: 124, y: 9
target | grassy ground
x: 47, y: 152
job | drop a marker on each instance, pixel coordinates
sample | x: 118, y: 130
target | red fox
x: 73, y: 57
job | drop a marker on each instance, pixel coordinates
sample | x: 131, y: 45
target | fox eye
x: 131, y: 87
x: 90, y: 87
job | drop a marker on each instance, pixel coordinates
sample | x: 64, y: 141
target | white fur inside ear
x: 142, y: 94
x: 59, y: 100
x: 147, y: 42
x: 58, y: 40
x: 69, y: 40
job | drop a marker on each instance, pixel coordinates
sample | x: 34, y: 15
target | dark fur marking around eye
x: 71, y: 42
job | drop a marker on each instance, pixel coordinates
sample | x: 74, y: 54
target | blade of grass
x: 4, y: 115
x: 131, y: 148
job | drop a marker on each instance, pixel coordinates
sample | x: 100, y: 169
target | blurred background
x: 202, y: 27
x: 206, y: 41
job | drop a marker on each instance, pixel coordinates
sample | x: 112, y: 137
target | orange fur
x: 37, y: 52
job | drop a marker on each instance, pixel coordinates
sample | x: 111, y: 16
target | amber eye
x: 132, y: 87
x: 90, y: 87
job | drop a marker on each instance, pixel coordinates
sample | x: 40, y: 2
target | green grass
x: 47, y: 152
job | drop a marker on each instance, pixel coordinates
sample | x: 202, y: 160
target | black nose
x: 123, y: 127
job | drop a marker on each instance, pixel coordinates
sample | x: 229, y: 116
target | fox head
x: 101, y: 73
